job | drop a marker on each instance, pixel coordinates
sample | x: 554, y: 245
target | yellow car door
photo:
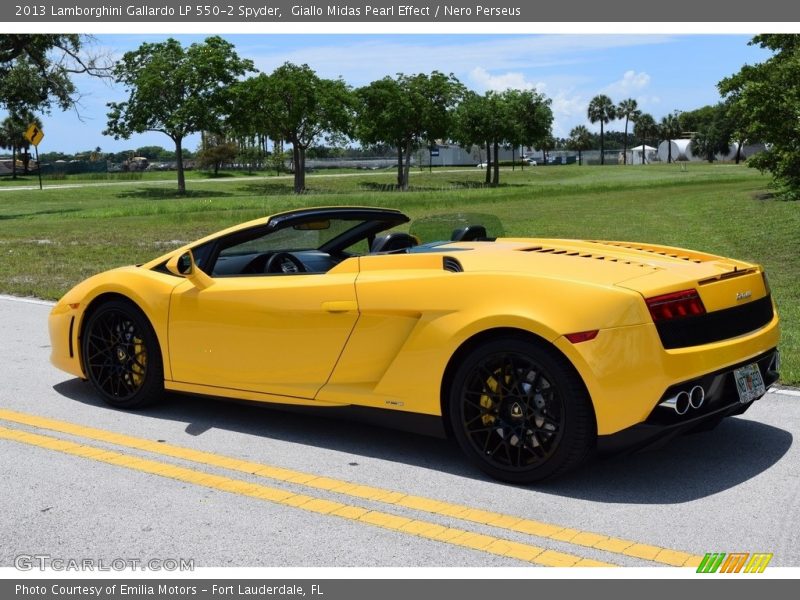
x: 275, y: 334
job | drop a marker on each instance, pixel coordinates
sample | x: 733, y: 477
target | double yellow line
x: 425, y: 529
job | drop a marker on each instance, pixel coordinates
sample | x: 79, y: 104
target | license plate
x: 749, y: 383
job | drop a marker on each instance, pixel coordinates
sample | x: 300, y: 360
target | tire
x: 121, y: 355
x: 519, y: 411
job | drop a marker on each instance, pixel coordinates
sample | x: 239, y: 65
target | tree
x: 486, y: 121
x: 629, y: 109
x: 175, y: 91
x: 767, y: 98
x: 383, y: 111
x: 303, y: 106
x: 643, y: 128
x: 12, y: 136
x: 151, y: 152
x: 712, y: 130
x: 216, y: 152
x: 579, y: 139
x: 601, y: 109
x: 546, y: 144
x: 9, y: 140
x: 708, y: 144
x: 737, y: 121
x: 473, y: 126
x: 253, y: 123
x: 699, y: 119
x: 36, y: 70
x: 669, y: 129
x: 407, y: 111
x: 530, y: 115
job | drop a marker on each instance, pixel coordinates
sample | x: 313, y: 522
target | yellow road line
x: 508, y: 522
x: 423, y: 529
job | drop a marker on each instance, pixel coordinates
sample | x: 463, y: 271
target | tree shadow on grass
x: 262, y: 188
x: 210, y: 175
x: 481, y: 185
x: 170, y: 194
x: 763, y: 196
x: 36, y: 213
x: 372, y: 186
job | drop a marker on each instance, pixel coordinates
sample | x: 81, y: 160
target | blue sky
x: 662, y: 72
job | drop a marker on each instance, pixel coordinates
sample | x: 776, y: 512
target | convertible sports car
x: 531, y: 353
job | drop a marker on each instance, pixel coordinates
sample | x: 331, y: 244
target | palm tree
x: 644, y: 126
x: 10, y: 137
x: 602, y: 109
x: 580, y: 139
x: 630, y: 110
x: 670, y: 128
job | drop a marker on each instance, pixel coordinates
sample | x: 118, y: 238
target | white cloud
x: 569, y: 109
x: 360, y: 61
x: 631, y: 84
x: 483, y: 81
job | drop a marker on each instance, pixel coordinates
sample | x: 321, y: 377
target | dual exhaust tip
x: 683, y: 400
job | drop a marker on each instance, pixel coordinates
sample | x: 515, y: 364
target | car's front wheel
x: 520, y: 412
x: 121, y: 356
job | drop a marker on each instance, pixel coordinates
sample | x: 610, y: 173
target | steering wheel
x: 284, y: 262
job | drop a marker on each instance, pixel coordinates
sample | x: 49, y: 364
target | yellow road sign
x: 34, y: 135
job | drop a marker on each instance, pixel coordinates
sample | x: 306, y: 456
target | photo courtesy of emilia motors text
x: 374, y: 299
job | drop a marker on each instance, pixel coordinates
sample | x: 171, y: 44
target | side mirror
x: 183, y: 265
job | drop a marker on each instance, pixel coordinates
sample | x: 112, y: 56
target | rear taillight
x: 676, y: 305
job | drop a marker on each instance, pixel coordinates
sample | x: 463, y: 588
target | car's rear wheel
x: 121, y: 356
x: 519, y: 411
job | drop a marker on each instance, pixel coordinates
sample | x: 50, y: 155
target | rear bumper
x: 663, y: 424
x: 627, y: 371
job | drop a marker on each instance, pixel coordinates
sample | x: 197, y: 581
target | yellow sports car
x: 531, y: 353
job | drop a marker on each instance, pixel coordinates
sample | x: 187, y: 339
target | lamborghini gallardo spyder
x: 531, y: 353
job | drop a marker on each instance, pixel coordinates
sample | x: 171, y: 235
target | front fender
x: 149, y: 290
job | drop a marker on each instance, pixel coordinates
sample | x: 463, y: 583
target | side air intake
x: 452, y: 264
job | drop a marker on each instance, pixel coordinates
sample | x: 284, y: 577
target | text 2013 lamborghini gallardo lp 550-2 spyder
x: 531, y: 353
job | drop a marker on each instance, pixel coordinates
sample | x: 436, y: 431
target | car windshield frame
x: 367, y: 223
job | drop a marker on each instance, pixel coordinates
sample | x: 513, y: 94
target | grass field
x: 53, y: 238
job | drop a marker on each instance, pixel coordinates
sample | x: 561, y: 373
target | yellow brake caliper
x: 140, y: 356
x: 486, y: 401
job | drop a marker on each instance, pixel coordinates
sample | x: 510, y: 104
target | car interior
x: 314, y: 246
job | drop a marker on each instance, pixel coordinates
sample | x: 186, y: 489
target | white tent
x: 643, y: 154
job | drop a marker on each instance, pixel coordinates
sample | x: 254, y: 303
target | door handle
x: 340, y: 306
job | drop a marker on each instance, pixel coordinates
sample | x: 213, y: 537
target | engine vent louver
x: 577, y: 254
x: 651, y: 251
x: 452, y: 264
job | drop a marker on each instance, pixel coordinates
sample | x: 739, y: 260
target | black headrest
x: 396, y: 240
x: 470, y: 233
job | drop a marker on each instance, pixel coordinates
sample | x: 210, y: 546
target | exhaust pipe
x: 679, y: 403
x: 683, y: 400
x: 696, y: 397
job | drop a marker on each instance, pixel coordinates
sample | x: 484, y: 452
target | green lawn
x: 53, y: 238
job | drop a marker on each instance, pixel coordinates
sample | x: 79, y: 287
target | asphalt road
x: 415, y: 501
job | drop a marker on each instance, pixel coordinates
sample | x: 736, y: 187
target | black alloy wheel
x: 519, y: 411
x: 121, y: 357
